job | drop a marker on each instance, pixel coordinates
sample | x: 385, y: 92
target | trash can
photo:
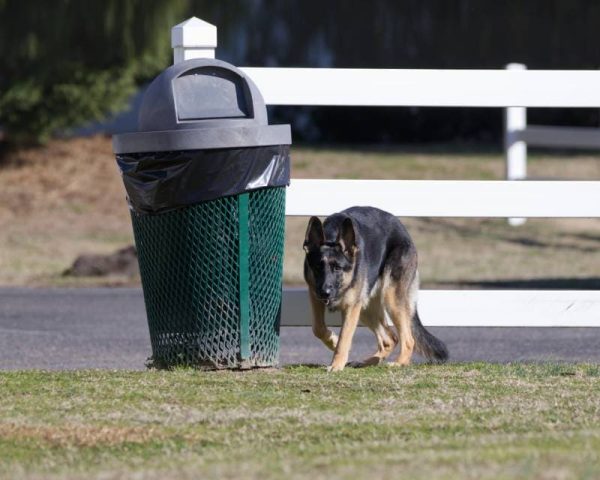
x: 205, y: 177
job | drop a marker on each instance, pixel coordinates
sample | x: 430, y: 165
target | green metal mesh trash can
x: 206, y: 188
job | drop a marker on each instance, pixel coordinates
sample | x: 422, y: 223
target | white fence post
x: 193, y: 38
x: 515, y: 149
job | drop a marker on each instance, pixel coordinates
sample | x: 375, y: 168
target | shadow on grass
x: 462, y: 148
x: 312, y: 366
x: 459, y: 148
x: 589, y: 283
x: 470, y: 231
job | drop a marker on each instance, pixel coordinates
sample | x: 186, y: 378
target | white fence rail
x: 446, y: 198
x: 427, y: 88
x: 451, y: 88
x: 479, y: 308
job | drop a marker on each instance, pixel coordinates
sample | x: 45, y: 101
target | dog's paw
x: 331, y: 342
x: 356, y: 364
x: 334, y: 368
x: 397, y: 364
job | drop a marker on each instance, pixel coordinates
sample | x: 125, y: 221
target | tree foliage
x: 65, y: 62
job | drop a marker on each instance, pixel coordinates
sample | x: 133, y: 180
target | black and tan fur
x: 363, y: 262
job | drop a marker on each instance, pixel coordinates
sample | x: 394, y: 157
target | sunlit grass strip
x: 461, y: 420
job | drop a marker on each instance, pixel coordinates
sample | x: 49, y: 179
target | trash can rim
x: 202, y: 139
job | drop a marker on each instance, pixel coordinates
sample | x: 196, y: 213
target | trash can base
x: 154, y: 364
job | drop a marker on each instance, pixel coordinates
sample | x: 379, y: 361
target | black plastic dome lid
x: 201, y: 104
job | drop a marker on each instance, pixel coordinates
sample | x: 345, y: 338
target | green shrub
x: 66, y: 62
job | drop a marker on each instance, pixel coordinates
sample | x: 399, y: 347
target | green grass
x: 454, y: 421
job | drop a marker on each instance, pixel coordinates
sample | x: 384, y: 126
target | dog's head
x: 330, y: 262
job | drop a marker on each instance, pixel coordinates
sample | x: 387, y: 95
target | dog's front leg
x: 350, y: 317
x: 320, y: 330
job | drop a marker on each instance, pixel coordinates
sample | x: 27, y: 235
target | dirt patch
x: 61, y: 176
x: 122, y: 262
x: 77, y: 435
x: 56, y: 203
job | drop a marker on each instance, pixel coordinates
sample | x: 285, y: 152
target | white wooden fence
x: 518, y: 135
x: 467, y: 88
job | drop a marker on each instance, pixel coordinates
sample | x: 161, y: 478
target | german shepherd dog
x: 363, y: 262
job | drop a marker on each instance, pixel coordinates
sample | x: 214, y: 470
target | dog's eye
x: 336, y: 268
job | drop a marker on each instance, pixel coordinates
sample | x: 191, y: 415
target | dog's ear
x: 347, y: 238
x: 315, y: 237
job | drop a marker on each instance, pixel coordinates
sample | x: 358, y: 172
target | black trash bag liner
x: 161, y: 181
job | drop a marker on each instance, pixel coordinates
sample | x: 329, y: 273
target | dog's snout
x: 327, y: 291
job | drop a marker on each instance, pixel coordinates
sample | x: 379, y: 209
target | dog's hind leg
x: 400, y: 300
x: 386, y: 338
x: 386, y: 342
x: 401, y: 315
x: 320, y: 330
x: 400, y: 290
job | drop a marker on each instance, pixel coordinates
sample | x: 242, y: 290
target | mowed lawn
x: 431, y: 422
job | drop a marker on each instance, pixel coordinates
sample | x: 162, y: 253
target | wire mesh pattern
x: 267, y: 233
x: 189, y: 268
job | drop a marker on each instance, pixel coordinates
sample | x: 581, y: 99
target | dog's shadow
x: 323, y: 366
x: 313, y: 366
x: 418, y: 362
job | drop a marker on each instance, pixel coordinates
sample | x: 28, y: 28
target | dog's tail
x: 426, y: 344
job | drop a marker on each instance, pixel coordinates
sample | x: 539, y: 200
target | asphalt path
x: 106, y: 328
